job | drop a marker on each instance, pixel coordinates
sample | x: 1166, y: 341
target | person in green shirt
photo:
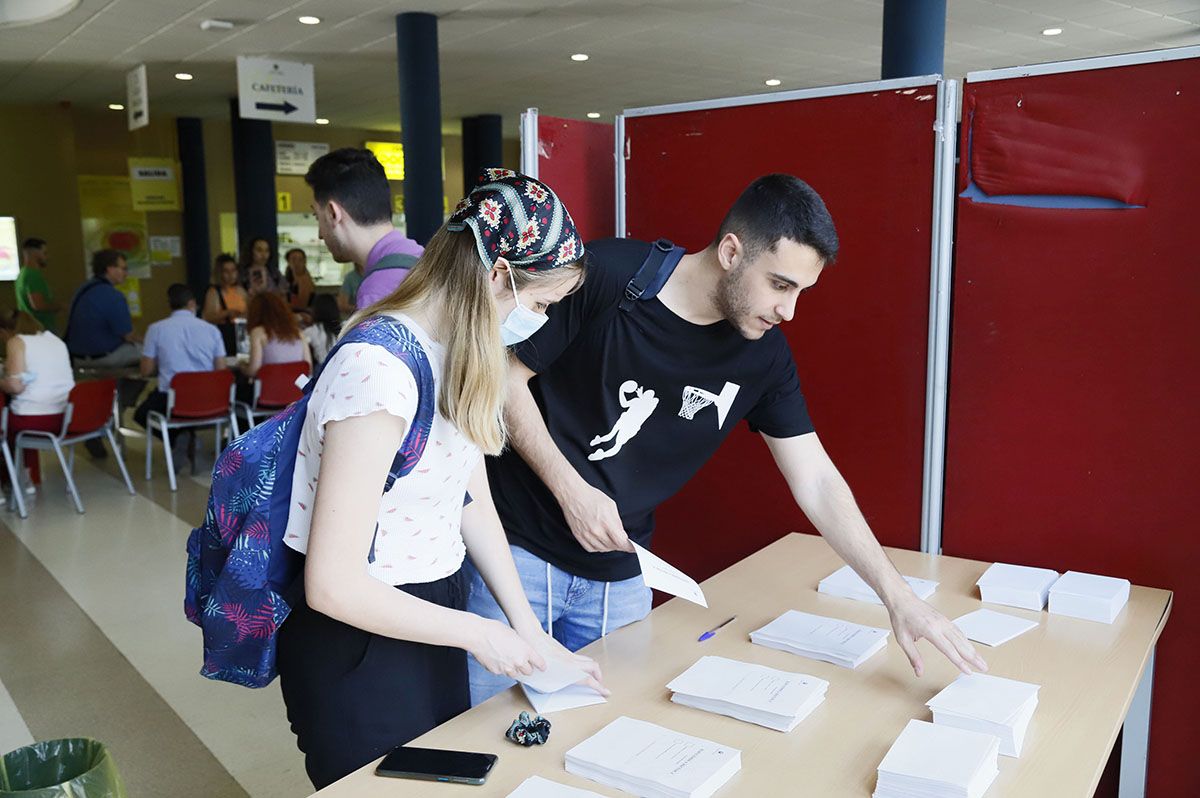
x: 33, y: 292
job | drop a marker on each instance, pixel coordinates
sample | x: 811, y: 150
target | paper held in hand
x: 557, y: 675
x: 661, y: 575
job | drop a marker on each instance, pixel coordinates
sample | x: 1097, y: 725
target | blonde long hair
x: 474, y: 377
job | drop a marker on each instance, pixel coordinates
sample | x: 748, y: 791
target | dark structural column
x: 482, y: 144
x: 197, y: 257
x: 420, y: 123
x: 253, y: 178
x: 914, y: 38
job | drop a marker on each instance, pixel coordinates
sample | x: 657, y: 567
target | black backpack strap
x: 397, y: 260
x: 656, y: 268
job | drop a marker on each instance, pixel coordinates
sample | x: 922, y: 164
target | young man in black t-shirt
x: 612, y: 409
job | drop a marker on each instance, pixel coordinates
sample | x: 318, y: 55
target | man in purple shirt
x: 353, y: 205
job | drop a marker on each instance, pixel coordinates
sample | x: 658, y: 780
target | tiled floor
x: 93, y: 641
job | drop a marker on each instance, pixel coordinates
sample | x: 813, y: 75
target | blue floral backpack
x: 242, y: 580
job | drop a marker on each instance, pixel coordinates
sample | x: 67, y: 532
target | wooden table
x: 1089, y: 673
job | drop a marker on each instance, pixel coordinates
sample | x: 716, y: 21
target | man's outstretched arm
x: 825, y: 498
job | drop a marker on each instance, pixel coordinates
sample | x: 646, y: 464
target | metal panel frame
x: 937, y: 372
x: 529, y: 142
x: 1084, y: 64
x: 619, y: 172
x: 786, y: 96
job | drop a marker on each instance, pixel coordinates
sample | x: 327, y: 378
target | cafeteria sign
x: 278, y: 91
x: 153, y: 184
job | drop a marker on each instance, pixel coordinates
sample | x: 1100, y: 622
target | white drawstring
x: 604, y: 618
x: 549, y: 602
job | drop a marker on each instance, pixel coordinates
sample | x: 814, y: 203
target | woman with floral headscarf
x: 377, y: 653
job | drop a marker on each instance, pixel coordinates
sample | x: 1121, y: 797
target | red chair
x: 196, y: 399
x: 90, y: 414
x: 274, y: 389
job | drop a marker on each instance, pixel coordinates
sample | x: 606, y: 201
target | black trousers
x: 352, y: 696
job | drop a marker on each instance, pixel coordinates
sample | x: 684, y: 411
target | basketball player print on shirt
x: 696, y: 399
x: 639, y: 404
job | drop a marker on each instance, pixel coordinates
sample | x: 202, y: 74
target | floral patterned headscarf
x: 518, y: 218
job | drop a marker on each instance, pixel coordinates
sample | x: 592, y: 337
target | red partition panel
x: 860, y: 337
x: 1073, y: 432
x: 576, y: 160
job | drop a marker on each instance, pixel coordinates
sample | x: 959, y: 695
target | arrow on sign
x: 284, y: 107
x: 138, y: 114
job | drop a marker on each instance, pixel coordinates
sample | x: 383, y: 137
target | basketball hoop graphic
x: 696, y: 399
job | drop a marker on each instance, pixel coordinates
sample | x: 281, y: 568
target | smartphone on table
x: 434, y: 764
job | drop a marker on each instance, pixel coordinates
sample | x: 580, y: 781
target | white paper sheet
x: 980, y: 695
x: 661, y: 575
x: 940, y: 753
x: 992, y: 628
x: 572, y: 696
x: 746, y: 684
x: 537, y: 787
x: 557, y: 675
x: 846, y: 583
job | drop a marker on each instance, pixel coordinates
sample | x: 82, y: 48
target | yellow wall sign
x: 391, y: 155
x: 283, y: 201
x: 154, y: 184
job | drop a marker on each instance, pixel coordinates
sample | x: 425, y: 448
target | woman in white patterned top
x: 377, y: 655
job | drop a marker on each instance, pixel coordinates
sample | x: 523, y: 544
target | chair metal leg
x: 149, y: 446
x: 18, y: 493
x: 120, y: 459
x: 62, y: 461
x: 166, y: 438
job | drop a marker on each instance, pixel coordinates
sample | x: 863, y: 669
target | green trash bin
x: 77, y: 767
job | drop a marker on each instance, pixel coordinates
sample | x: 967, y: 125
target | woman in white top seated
x: 377, y: 653
x: 37, y: 378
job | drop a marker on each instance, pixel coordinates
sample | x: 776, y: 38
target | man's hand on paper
x: 594, y: 519
x: 548, y: 647
x: 914, y: 619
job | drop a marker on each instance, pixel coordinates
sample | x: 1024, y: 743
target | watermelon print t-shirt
x: 418, y: 537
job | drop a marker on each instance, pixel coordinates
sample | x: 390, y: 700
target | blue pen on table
x: 713, y: 631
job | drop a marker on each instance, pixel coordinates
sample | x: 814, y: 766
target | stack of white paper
x: 537, y: 787
x: 988, y: 704
x: 929, y: 761
x: 827, y: 639
x: 572, y: 696
x: 653, y: 762
x: 1088, y: 596
x: 992, y: 628
x: 754, y: 693
x: 845, y: 583
x: 1016, y: 585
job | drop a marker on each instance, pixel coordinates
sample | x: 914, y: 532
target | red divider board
x: 859, y: 337
x: 576, y: 160
x: 1073, y: 432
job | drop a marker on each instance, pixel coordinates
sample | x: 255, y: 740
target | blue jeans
x: 580, y: 611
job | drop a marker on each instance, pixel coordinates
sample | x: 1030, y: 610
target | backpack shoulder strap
x: 399, y: 341
x: 655, y: 269
x: 396, y: 260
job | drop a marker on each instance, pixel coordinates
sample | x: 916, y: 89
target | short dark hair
x: 288, y: 254
x: 179, y: 295
x: 33, y: 243
x: 223, y: 258
x: 356, y: 180
x: 780, y: 206
x: 103, y: 258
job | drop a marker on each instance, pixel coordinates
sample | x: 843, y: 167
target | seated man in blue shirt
x: 181, y: 342
x: 99, y: 327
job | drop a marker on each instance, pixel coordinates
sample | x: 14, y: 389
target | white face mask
x: 521, y: 321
